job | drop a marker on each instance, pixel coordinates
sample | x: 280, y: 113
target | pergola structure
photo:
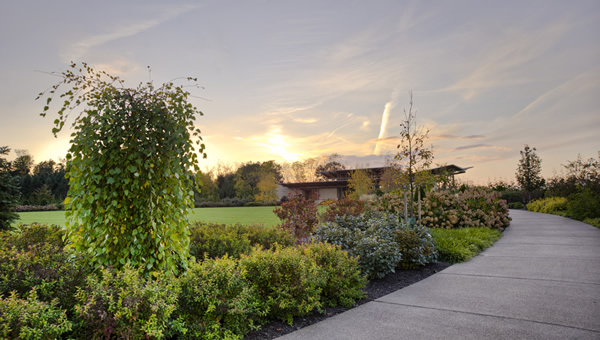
x: 336, y: 182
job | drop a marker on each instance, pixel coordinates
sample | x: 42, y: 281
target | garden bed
x: 375, y: 289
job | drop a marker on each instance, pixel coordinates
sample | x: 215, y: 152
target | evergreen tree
x: 9, y: 192
x: 529, y: 171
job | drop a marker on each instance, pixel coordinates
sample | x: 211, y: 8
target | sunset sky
x: 288, y: 80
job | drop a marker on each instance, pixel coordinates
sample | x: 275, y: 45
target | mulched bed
x: 375, y: 289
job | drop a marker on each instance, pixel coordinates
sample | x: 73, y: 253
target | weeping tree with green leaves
x: 129, y: 167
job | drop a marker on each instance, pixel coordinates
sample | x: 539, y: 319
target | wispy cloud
x: 456, y: 137
x: 78, y: 50
x: 480, y: 146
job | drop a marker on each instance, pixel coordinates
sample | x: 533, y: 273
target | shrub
x: 29, y: 235
x: 515, y: 205
x: 549, y: 205
x: 345, y: 283
x: 217, y: 301
x: 124, y: 304
x: 370, y: 237
x: 31, y: 319
x: 344, y: 207
x: 416, y: 245
x: 593, y: 221
x: 256, y: 204
x: 391, y: 204
x: 471, y: 207
x: 298, y: 216
x: 584, y: 204
x: 49, y: 207
x: 267, y: 237
x: 216, y: 240
x: 289, y: 283
x: 459, y: 245
x: 56, y: 273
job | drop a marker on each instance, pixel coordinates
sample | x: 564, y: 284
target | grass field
x: 242, y: 215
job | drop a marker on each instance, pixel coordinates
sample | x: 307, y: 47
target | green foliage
x: 584, y: 204
x: 298, y: 216
x: 29, y: 235
x: 217, y: 301
x: 124, y: 304
x: 289, y: 283
x: 344, y: 207
x: 460, y: 245
x: 416, y: 245
x: 550, y: 205
x: 249, y: 175
x: 344, y: 284
x: 472, y: 207
x: 529, y: 170
x: 360, y: 183
x: 414, y: 154
x: 370, y: 237
x: 31, y: 319
x: 9, y: 192
x: 216, y: 240
x: 129, y: 169
x: 593, y: 222
x: 515, y: 205
x: 25, y: 264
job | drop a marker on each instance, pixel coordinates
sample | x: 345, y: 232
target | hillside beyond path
x: 540, y: 281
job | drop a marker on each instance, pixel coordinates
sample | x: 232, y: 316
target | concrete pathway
x: 540, y: 281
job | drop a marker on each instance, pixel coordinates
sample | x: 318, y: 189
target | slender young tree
x: 529, y: 171
x: 414, y: 155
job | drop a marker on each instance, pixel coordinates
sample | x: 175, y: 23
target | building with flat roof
x: 335, y: 185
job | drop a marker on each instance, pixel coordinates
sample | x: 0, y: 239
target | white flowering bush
x: 473, y: 207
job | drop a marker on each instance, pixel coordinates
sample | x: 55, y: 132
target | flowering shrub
x: 344, y: 207
x: 344, y: 282
x: 217, y: 301
x: 298, y: 216
x: 550, y: 205
x: 391, y: 204
x: 31, y: 319
x: 289, y: 283
x: 473, y: 207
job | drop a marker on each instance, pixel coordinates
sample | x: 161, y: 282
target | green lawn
x: 242, y: 215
